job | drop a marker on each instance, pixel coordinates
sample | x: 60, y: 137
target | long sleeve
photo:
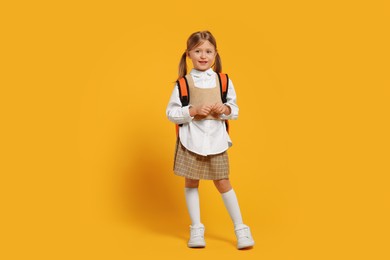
x: 175, y: 112
x: 231, y: 101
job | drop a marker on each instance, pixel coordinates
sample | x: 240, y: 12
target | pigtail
x: 218, y: 64
x: 183, y: 65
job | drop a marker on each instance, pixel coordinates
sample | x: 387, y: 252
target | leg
x: 230, y: 199
x: 192, y: 200
x: 244, y: 237
x: 223, y: 185
x: 190, y: 183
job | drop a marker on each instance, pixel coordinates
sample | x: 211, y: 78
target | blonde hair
x: 193, y: 41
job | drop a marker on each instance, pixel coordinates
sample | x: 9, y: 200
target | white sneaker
x: 244, y: 237
x: 197, y: 236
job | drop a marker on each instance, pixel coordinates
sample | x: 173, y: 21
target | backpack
x: 185, y: 97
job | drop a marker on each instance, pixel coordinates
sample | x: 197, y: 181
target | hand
x: 203, y: 110
x: 220, y: 108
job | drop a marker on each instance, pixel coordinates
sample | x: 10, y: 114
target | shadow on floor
x: 151, y: 197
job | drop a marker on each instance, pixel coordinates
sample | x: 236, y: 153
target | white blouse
x: 204, y: 137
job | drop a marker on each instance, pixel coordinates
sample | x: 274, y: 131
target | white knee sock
x: 192, y: 200
x: 231, y: 204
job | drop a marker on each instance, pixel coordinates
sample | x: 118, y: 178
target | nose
x: 203, y: 54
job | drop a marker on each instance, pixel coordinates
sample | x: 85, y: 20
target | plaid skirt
x: 194, y: 166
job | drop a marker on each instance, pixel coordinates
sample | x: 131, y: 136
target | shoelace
x: 244, y: 232
x: 197, y: 232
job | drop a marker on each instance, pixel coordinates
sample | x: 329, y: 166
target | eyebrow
x: 208, y: 49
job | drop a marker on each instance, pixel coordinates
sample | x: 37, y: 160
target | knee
x: 223, y: 185
x: 190, y: 183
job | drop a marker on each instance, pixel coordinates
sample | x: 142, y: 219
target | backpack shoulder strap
x: 224, y: 85
x: 182, y: 84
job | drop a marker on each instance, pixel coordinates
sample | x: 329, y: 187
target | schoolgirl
x: 203, y: 140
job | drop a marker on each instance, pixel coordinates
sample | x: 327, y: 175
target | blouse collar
x: 198, y: 73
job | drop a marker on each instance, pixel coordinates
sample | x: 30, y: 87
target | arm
x: 175, y: 112
x: 232, y: 112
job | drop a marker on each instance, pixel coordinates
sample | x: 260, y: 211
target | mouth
x: 203, y: 62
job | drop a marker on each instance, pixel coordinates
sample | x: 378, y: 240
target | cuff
x: 223, y: 116
x: 186, y: 112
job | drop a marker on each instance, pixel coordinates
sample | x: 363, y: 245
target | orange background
x: 88, y: 151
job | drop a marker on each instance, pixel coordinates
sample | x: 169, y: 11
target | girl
x: 201, y: 150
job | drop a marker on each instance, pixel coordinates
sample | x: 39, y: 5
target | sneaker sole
x: 243, y: 246
x: 196, y: 245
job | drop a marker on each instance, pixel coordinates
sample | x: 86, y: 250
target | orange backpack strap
x: 224, y: 85
x: 182, y: 84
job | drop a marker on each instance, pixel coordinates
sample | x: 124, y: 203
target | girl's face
x: 202, y: 56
